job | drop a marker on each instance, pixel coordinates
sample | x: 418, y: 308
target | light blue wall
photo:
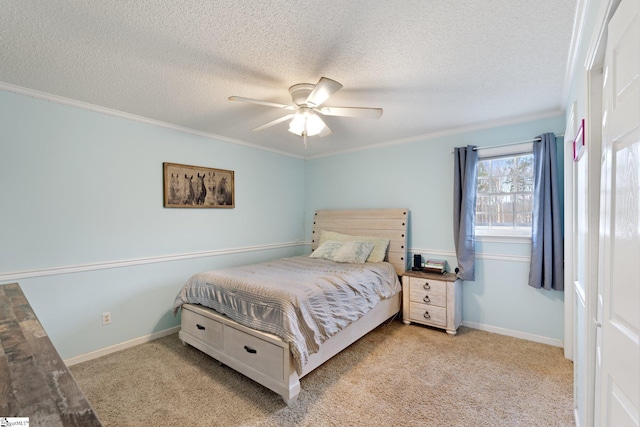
x: 82, y: 188
x: 419, y: 176
x: 85, y: 188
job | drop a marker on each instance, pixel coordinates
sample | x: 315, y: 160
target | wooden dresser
x: 34, y: 381
x: 432, y: 299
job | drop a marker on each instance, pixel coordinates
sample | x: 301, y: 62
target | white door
x: 618, y: 391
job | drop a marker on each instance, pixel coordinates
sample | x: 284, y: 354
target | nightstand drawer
x: 430, y: 285
x: 436, y: 295
x: 428, y: 314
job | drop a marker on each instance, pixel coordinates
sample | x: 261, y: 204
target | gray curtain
x: 546, y: 236
x: 464, y: 209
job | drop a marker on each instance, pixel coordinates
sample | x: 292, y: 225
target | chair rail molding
x: 68, y: 269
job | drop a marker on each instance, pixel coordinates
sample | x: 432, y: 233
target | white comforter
x: 300, y: 299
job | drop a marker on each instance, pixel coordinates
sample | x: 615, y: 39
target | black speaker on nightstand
x: 417, y: 262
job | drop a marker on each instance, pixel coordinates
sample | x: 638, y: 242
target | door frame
x: 593, y: 123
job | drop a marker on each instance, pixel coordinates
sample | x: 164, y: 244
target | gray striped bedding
x: 302, y: 300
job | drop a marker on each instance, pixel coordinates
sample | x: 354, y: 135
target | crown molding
x: 450, y: 132
x: 128, y: 116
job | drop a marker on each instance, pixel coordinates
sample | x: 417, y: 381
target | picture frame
x: 579, y: 143
x: 188, y: 186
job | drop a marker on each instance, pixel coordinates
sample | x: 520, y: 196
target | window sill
x: 503, y: 238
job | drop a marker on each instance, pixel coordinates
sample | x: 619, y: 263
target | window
x: 504, y: 200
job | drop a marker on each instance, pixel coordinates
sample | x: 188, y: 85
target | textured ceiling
x: 432, y: 65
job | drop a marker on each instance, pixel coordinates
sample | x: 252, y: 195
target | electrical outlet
x: 106, y: 318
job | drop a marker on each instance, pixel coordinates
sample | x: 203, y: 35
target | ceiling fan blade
x: 275, y: 122
x: 323, y: 90
x: 358, y: 112
x: 259, y: 102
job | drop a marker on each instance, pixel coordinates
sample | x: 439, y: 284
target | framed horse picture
x: 197, y: 187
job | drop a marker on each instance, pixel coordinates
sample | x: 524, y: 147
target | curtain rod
x: 511, y: 143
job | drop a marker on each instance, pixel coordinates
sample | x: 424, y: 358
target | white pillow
x: 353, y: 252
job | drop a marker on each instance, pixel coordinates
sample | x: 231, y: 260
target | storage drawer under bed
x: 258, y: 350
x: 255, y: 352
x: 203, y: 328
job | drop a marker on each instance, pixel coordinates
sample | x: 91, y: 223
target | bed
x: 271, y: 322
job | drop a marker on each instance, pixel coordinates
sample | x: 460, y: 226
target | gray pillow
x: 326, y: 250
x: 353, y: 252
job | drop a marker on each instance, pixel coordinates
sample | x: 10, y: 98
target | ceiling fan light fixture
x: 308, y: 99
x: 304, y: 122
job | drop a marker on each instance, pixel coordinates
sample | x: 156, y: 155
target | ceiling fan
x: 308, y: 99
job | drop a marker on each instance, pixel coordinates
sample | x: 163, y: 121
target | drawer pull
x: 199, y: 326
x: 426, y: 299
x: 250, y: 350
x: 427, y: 287
x: 426, y: 315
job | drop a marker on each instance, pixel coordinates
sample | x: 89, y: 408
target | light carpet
x: 396, y: 375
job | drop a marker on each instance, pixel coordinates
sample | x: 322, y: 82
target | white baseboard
x: 154, y: 336
x: 515, y: 334
x: 127, y: 344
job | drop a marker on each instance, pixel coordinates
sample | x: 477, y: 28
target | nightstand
x: 432, y: 299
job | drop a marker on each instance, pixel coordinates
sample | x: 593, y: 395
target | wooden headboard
x: 389, y: 223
